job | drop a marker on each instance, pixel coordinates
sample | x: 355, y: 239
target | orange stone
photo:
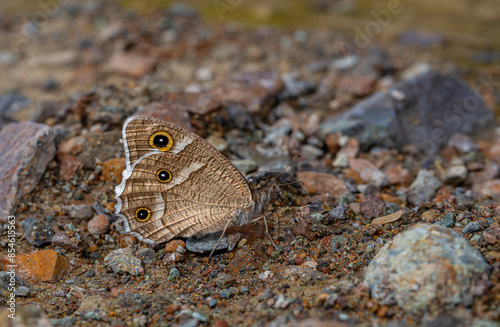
x: 172, y: 245
x: 42, y: 266
x: 321, y: 183
x: 112, y: 169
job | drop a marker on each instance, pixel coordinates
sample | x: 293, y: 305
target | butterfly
x: 176, y: 184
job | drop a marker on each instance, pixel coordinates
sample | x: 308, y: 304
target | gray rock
x: 147, y: 255
x: 426, y: 268
x: 206, y: 243
x: 122, y: 261
x: 423, y: 187
x: 173, y: 274
x: 25, y: 150
x: 448, y: 220
x: 472, y: 227
x: 81, y: 211
x: 245, y: 166
x: 224, y: 280
x: 22, y: 291
x: 37, y: 233
x: 442, y: 105
x: 7, y: 280
x: 455, y: 173
x: 9, y: 104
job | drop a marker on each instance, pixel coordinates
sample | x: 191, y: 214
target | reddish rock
x: 221, y: 323
x: 42, y: 266
x: 62, y: 240
x: 332, y: 142
x: 172, y: 308
x: 173, y: 245
x: 252, y: 89
x: 492, y: 236
x: 356, y: 85
x: 487, y: 190
x: 172, y: 111
x: 125, y: 240
x: 25, y: 150
x: 371, y: 206
x: 197, y: 103
x: 112, y: 169
x: 68, y: 166
x: 99, y: 225
x: 364, y: 168
x: 131, y: 64
x: 397, y: 175
x: 320, y: 183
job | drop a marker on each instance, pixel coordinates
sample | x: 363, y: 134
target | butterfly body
x: 176, y: 184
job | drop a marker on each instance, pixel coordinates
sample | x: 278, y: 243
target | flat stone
x: 388, y: 218
x: 321, y: 183
x: 224, y: 280
x: 42, y: 266
x: 426, y: 268
x: 206, y: 243
x: 25, y: 150
x: 123, y: 261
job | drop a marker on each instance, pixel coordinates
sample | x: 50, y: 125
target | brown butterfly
x: 176, y: 184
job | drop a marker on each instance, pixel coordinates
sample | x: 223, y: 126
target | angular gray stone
x: 224, y: 280
x: 25, y: 150
x: 423, y: 187
x: 427, y: 267
x: 123, y: 260
x: 425, y: 111
x: 206, y: 243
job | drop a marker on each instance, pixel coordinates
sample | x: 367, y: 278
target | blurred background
x: 467, y: 25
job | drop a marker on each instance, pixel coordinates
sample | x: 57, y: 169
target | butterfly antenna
x: 282, y: 171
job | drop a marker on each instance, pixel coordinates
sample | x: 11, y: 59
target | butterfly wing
x: 185, y: 188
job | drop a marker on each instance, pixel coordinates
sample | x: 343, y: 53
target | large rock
x: 425, y: 111
x: 426, y: 268
x: 25, y: 150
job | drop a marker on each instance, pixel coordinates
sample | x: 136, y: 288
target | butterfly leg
x: 267, y: 232
x: 220, y: 238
